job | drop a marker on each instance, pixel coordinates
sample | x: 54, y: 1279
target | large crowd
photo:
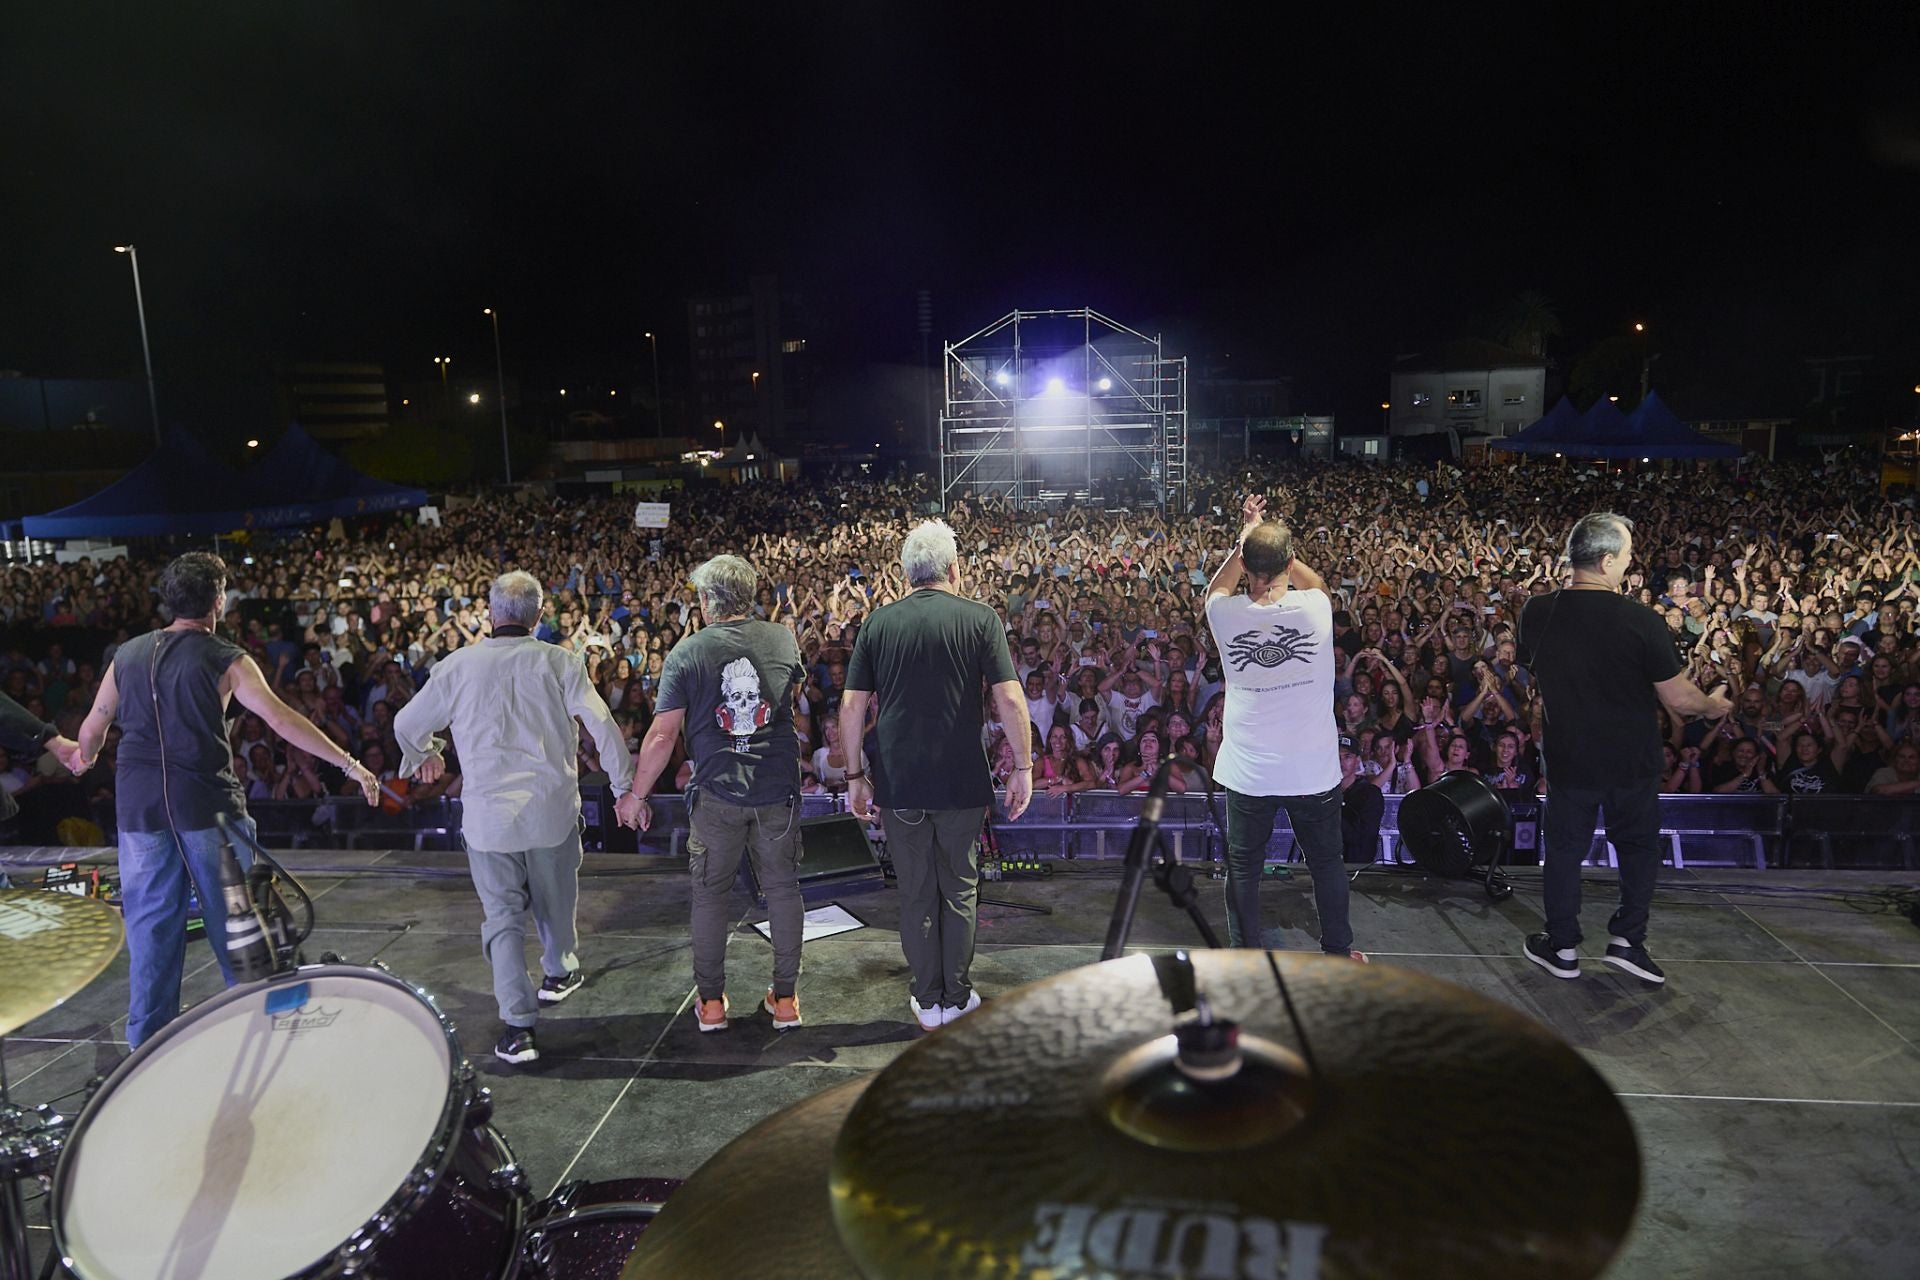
x: 1794, y: 585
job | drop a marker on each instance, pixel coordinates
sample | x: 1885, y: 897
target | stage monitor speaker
x: 833, y: 849
x: 1455, y: 823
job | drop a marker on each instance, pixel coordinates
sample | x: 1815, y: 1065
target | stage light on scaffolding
x: 1105, y: 384
x: 1001, y: 379
x: 1056, y: 386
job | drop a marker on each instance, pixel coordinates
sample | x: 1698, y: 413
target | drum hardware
x: 386, y: 1104
x: 1455, y: 823
x: 587, y: 1230
x: 264, y: 881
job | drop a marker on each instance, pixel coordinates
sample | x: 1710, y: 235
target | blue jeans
x: 153, y: 897
x: 1316, y: 823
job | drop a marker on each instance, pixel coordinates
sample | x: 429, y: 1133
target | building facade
x: 751, y: 369
x: 1469, y: 388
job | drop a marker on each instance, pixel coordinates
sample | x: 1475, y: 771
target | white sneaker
x: 950, y: 1014
x: 929, y: 1018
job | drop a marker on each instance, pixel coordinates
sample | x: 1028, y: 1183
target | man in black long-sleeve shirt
x: 21, y: 730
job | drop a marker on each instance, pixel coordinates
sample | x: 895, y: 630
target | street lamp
x: 443, y: 362
x: 474, y: 398
x: 500, y: 381
x: 659, y: 424
x: 721, y: 427
x: 1646, y: 361
x: 146, y: 352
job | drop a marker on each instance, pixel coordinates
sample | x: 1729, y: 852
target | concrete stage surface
x: 1774, y: 1081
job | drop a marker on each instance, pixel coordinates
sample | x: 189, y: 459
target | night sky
x: 357, y: 181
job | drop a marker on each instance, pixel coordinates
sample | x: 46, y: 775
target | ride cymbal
x: 1049, y: 1136
x: 759, y: 1206
x: 51, y: 945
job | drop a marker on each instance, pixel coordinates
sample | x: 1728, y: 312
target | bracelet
x: 855, y: 777
x: 350, y: 765
x: 1022, y: 768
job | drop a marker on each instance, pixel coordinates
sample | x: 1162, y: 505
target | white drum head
x: 253, y: 1143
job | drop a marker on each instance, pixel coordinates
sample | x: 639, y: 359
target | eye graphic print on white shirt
x: 741, y: 709
x: 1269, y: 647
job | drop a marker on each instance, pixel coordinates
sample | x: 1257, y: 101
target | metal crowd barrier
x: 1706, y: 830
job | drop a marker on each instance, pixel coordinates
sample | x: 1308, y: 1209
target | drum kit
x: 1229, y: 1115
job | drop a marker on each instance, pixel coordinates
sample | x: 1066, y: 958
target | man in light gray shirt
x: 511, y: 701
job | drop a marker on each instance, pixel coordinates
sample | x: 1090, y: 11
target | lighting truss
x: 1050, y: 406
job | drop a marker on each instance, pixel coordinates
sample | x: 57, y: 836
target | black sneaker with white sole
x: 1563, y: 962
x: 1626, y: 957
x: 554, y: 990
x: 516, y: 1045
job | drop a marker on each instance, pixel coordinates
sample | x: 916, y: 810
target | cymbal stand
x: 21, y: 1157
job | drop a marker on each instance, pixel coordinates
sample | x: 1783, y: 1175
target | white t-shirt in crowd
x: 1278, y: 659
x: 1123, y: 713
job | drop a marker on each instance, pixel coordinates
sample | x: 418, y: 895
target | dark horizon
x: 357, y: 183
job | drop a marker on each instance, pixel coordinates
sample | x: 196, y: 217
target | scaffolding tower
x: 1063, y: 406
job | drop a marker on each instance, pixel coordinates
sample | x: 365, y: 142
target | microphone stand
x: 1148, y: 848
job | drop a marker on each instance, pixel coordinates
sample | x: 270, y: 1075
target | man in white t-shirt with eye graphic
x: 1280, y: 748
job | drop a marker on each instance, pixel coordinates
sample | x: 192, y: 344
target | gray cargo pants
x: 718, y: 834
x: 933, y: 860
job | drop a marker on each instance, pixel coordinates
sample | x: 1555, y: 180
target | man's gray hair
x: 928, y: 553
x: 1595, y: 537
x: 726, y: 585
x: 514, y: 600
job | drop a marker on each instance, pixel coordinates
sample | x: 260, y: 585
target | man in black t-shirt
x: 925, y: 660
x: 1605, y: 666
x: 730, y: 686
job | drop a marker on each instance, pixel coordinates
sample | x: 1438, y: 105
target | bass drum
x: 321, y: 1123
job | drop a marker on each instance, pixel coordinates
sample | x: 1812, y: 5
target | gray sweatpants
x: 933, y: 860
x: 718, y: 834
x: 548, y: 881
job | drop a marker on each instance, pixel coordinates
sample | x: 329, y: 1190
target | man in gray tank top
x: 169, y: 690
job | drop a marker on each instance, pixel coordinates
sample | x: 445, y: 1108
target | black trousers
x: 1633, y: 827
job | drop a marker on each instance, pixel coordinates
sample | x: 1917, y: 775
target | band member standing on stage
x: 511, y: 701
x: 925, y: 659
x: 1280, y: 746
x: 27, y: 735
x: 1605, y: 664
x: 173, y: 776
x: 737, y: 677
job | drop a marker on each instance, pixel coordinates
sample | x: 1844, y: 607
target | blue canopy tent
x: 180, y: 489
x: 1549, y: 435
x: 298, y: 482
x: 184, y: 489
x: 1604, y: 432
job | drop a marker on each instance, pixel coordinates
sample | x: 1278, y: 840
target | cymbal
x: 51, y: 945
x: 758, y: 1207
x: 1049, y: 1135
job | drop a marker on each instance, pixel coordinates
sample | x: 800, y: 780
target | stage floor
x: 1774, y: 1081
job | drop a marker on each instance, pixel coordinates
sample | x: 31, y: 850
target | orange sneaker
x: 712, y: 1014
x: 785, y: 1010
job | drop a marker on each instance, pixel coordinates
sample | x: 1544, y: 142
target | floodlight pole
x: 146, y: 352
x: 659, y: 423
x: 500, y: 383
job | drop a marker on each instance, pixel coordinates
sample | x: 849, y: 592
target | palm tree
x: 1528, y: 322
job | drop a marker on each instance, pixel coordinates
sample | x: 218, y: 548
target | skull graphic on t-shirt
x: 741, y: 709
